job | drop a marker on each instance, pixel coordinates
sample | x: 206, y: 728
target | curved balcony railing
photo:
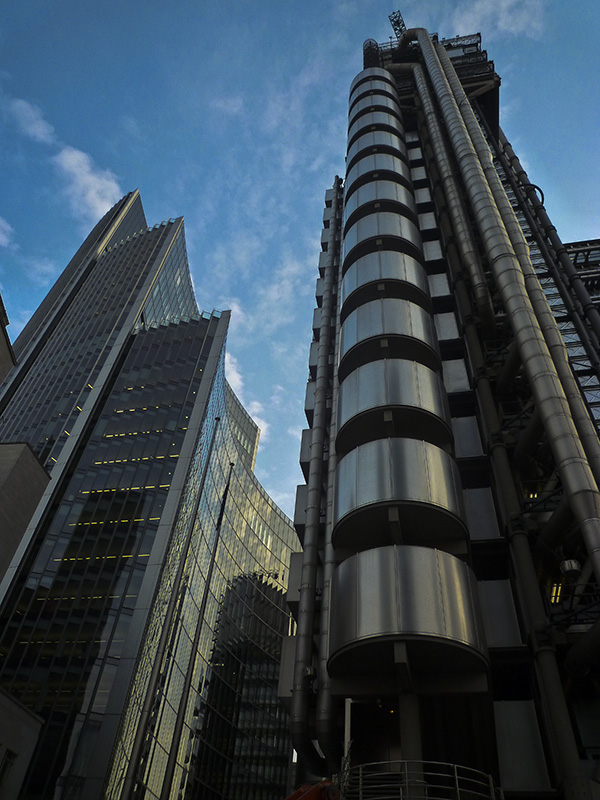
x: 417, y: 780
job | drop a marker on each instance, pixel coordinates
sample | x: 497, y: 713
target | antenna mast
x: 397, y: 23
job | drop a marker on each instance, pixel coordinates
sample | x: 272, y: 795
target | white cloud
x: 231, y: 106
x: 278, y: 299
x: 256, y: 410
x: 285, y: 500
x: 233, y: 375
x: 18, y: 321
x: 6, y: 233
x: 42, y: 271
x: 91, y: 191
x: 239, y: 318
x: 514, y: 17
x: 31, y: 121
x: 295, y: 431
x: 132, y: 128
x: 254, y: 407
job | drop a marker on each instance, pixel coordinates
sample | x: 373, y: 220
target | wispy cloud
x: 513, y: 17
x: 18, y: 321
x: 232, y: 105
x: 41, y: 271
x: 30, y: 121
x: 6, y: 233
x: 253, y: 407
x: 91, y: 191
x: 233, y: 374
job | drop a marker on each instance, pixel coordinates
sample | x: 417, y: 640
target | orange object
x: 325, y: 790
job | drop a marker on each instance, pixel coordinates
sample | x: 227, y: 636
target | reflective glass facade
x: 154, y: 557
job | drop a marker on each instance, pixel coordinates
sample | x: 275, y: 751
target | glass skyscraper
x: 451, y: 513
x: 145, y: 602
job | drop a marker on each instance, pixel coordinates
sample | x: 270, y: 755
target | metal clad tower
x: 447, y: 634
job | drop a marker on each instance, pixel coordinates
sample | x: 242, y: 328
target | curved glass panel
x: 376, y: 139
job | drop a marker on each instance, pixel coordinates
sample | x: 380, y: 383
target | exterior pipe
x: 553, y: 531
x: 574, y: 307
x: 585, y: 428
x: 301, y: 689
x: 460, y: 223
x: 509, y: 369
x: 573, y: 278
x: 325, y: 722
x: 528, y: 597
x: 547, y: 391
x: 569, y: 455
x: 526, y: 442
x: 582, y: 494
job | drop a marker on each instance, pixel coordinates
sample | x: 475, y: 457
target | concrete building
x: 130, y: 586
x: 448, y: 640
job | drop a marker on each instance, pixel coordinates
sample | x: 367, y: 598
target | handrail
x: 418, y: 780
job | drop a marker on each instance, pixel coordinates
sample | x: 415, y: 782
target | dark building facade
x: 149, y: 532
x: 448, y: 638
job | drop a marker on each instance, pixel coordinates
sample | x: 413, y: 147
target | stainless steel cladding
x: 392, y: 397
x: 380, y: 101
x: 397, y: 491
x: 373, y: 73
x: 384, y: 120
x: 385, y: 141
x: 382, y: 224
x: 377, y: 191
x: 389, y: 327
x: 395, y: 274
x: 423, y: 597
x: 385, y: 164
x: 379, y: 83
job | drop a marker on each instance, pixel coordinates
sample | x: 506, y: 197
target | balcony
x: 417, y: 780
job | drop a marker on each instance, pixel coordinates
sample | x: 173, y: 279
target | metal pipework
x: 460, y: 223
x: 546, y: 388
x: 569, y: 455
x: 325, y: 722
x: 585, y: 428
x: 564, y: 283
x: 528, y: 595
x: 301, y: 738
x: 582, y: 496
x: 573, y: 277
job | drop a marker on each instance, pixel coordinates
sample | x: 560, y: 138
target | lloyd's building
x: 448, y: 641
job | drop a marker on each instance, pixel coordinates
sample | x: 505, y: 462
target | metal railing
x: 417, y: 780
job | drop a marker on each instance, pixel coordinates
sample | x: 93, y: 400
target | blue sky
x: 233, y: 115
